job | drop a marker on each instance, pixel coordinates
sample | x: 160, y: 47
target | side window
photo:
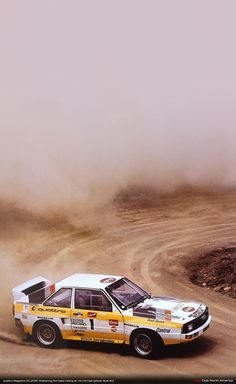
x: 61, y: 298
x: 92, y: 299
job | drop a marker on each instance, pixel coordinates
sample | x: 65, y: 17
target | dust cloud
x: 100, y: 96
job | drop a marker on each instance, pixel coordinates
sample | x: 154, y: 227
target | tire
x: 145, y: 344
x: 46, y: 334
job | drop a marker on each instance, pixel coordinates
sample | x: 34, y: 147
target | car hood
x: 168, y: 309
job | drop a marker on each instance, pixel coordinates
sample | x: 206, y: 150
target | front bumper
x: 196, y: 333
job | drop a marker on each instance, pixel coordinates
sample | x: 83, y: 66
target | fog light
x: 188, y: 337
x: 190, y: 327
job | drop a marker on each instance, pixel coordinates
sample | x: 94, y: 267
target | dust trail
x: 14, y: 339
x: 92, y: 116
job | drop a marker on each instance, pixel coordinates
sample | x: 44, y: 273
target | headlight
x: 190, y: 327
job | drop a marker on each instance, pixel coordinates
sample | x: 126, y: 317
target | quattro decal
x: 40, y: 309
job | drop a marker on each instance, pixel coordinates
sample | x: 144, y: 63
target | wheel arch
x: 50, y: 322
x: 151, y: 332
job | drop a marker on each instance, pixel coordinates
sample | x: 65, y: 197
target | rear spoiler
x: 34, y: 290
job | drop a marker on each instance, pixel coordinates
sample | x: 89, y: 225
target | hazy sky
x: 95, y: 95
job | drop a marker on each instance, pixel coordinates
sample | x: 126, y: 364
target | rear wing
x: 34, y: 290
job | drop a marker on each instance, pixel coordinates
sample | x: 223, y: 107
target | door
x: 57, y: 309
x: 95, y: 318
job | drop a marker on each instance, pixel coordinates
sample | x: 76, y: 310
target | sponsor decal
x: 83, y: 338
x: 188, y: 309
x: 79, y: 323
x: 131, y: 325
x: 167, y: 312
x: 78, y: 333
x: 163, y: 330
x: 35, y: 308
x: 92, y: 314
x: 44, y: 317
x: 113, y: 322
x: 197, y: 313
x: 108, y: 280
x: 25, y: 308
x: 113, y: 329
x: 78, y: 314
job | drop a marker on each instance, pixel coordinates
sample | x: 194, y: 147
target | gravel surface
x: 150, y: 246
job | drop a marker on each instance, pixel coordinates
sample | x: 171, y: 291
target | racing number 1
x: 91, y: 323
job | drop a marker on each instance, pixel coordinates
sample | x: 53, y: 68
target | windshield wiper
x: 140, y: 300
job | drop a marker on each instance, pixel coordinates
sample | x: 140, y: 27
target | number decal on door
x: 91, y: 323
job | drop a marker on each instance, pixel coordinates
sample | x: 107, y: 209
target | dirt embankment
x: 216, y: 270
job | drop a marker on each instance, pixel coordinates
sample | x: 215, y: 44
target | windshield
x: 126, y: 294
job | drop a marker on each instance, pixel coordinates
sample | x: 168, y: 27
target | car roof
x: 87, y: 280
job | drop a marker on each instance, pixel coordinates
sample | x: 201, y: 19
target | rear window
x: 38, y: 296
x: 61, y: 298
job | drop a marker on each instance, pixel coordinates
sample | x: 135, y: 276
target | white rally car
x: 103, y: 308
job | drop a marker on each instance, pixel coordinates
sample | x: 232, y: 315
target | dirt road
x: 151, y: 246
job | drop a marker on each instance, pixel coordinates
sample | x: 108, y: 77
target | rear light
x: 18, y: 323
x: 52, y: 288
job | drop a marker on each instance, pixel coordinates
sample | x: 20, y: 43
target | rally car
x: 101, y: 308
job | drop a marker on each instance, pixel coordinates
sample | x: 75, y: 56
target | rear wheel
x: 47, y: 334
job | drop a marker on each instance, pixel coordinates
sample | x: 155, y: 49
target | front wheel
x: 146, y: 344
x: 143, y: 344
x: 47, y: 334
